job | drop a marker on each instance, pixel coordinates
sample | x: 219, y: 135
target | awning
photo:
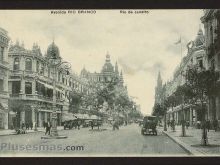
x: 48, y: 86
x: 45, y: 110
x: 68, y: 116
x: 78, y: 115
x: 94, y: 117
x: 12, y: 113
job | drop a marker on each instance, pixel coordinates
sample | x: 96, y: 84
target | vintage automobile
x: 149, y: 125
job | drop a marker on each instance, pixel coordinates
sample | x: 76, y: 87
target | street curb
x: 185, y: 146
x: 20, y: 134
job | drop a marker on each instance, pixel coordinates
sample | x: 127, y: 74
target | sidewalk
x: 191, y: 143
x: 12, y: 132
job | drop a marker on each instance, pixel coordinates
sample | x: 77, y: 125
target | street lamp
x: 55, y: 61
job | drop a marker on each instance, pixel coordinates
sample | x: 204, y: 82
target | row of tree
x: 113, y: 94
x: 200, y: 85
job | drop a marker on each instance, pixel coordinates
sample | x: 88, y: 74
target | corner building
x: 31, y: 86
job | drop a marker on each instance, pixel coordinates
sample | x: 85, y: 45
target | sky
x: 142, y: 44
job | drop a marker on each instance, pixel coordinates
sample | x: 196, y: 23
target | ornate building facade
x: 108, y: 73
x: 196, y: 55
x: 4, y: 69
x: 31, y: 85
x: 211, y: 21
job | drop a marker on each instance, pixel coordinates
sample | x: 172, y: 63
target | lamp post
x: 55, y: 62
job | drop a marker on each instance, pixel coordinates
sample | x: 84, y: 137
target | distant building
x: 4, y: 69
x: 108, y: 73
x: 159, y: 90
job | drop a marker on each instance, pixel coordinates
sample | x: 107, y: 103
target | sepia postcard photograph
x: 110, y: 83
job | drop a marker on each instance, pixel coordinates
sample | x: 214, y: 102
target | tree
x: 75, y: 101
x: 202, y: 84
x: 182, y: 94
x: 171, y: 102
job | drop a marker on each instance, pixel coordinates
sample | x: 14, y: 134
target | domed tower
x: 53, y: 52
x: 107, y: 66
x: 84, y: 73
x: 200, y: 38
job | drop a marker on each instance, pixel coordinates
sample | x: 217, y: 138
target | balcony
x: 18, y: 96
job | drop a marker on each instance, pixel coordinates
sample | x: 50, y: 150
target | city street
x: 127, y: 141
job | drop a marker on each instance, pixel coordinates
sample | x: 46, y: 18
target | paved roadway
x: 127, y: 141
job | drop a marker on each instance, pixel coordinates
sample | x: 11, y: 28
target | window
x: 211, y: 34
x: 28, y: 64
x: 1, y: 85
x: 28, y: 88
x: 1, y: 53
x: 38, y: 66
x: 59, y: 76
x: 42, y: 69
x: 16, y: 64
x: 213, y: 64
x: 63, y: 79
x: 200, y: 63
x: 48, y: 72
x: 16, y: 86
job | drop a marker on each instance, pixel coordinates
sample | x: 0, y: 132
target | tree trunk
x: 173, y: 122
x: 165, y: 123
x: 183, y: 128
x: 183, y: 122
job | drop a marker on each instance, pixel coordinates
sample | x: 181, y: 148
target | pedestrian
x: 215, y: 124
x: 31, y: 125
x: 23, y: 128
x: 187, y: 124
x: 92, y: 124
x: 78, y: 124
x: 48, y: 126
x: 208, y: 124
x: 115, y: 125
x: 168, y: 123
x: 27, y: 126
x: 198, y: 124
x: 44, y: 124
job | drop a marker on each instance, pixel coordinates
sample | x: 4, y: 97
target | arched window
x: 1, y: 53
x: 28, y: 64
x: 49, y: 72
x: 16, y: 64
x: 59, y: 76
x: 38, y: 66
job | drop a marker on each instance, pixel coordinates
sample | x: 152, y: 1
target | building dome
x: 107, y: 66
x: 200, y: 39
x: 53, y: 51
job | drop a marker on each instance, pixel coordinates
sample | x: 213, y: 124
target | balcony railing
x: 14, y: 95
x: 31, y: 97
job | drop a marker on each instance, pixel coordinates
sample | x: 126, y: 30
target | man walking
x: 78, y: 124
x: 215, y: 125
x: 48, y: 126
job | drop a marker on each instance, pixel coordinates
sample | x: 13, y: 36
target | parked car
x: 149, y: 125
